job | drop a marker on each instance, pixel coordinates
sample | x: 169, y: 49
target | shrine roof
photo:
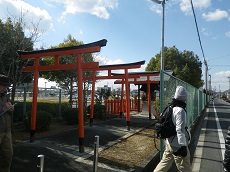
x: 125, y: 64
x: 100, y: 43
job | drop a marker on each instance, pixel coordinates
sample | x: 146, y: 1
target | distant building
x: 105, y: 88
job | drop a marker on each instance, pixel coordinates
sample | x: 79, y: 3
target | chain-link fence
x: 195, y: 103
x: 196, y: 99
x: 52, y: 94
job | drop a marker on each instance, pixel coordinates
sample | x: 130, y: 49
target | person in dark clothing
x: 226, y: 161
x: 176, y: 147
x: 6, y: 108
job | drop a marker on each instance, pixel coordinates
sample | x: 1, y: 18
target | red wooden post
x: 80, y: 105
x: 149, y: 97
x: 112, y: 106
x: 121, y: 104
x: 34, y: 103
x: 127, y: 99
x: 92, y: 99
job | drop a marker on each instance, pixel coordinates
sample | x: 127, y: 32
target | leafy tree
x: 102, y: 94
x: 67, y: 79
x: 12, y: 38
x: 185, y: 65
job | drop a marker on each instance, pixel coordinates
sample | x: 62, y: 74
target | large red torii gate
x: 78, y: 65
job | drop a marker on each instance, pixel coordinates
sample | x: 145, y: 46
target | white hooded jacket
x: 179, y: 119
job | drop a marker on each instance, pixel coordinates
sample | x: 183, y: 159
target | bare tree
x: 16, y: 34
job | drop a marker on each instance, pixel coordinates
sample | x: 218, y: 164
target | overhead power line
x: 205, y: 61
x: 219, y: 57
x: 198, y: 32
x: 219, y: 65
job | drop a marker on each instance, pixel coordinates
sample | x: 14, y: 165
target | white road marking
x: 220, y: 133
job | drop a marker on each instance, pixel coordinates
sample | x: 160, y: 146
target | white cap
x: 181, y: 93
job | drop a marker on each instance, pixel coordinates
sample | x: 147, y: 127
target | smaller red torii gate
x: 78, y: 65
x: 125, y: 77
x: 148, y: 77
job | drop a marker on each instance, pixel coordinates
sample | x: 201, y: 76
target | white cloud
x: 205, y: 31
x: 110, y: 82
x: 228, y: 34
x: 216, y: 15
x: 31, y: 15
x: 221, y: 81
x: 223, y: 74
x: 185, y: 5
x: 98, y: 8
x: 156, y: 8
x: 208, y: 33
x: 107, y: 61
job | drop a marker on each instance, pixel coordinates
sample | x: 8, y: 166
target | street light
x: 210, y: 86
x: 162, y: 63
x: 162, y: 38
x: 229, y: 88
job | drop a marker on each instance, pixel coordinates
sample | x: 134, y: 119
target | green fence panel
x: 196, y: 98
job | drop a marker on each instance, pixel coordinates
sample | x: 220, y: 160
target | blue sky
x: 133, y: 28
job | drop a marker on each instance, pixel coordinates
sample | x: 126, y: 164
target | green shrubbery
x: 50, y: 107
x: 70, y: 116
x: 99, y: 111
x: 48, y: 110
x: 43, y: 121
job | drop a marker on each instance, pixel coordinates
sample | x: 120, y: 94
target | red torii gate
x: 147, y: 77
x: 78, y: 65
x: 124, y: 77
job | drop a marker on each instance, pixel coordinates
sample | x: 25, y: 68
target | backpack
x: 164, y: 126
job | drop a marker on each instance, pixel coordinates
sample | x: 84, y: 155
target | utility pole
x: 219, y: 92
x: 206, y: 79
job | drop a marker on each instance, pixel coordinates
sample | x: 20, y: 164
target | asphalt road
x: 209, y: 152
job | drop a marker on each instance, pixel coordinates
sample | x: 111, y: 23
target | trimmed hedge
x: 43, y: 121
x: 99, y: 111
x: 50, y: 107
x: 70, y: 116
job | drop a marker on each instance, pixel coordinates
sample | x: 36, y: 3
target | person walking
x: 176, y: 147
x: 6, y: 109
x: 226, y: 161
